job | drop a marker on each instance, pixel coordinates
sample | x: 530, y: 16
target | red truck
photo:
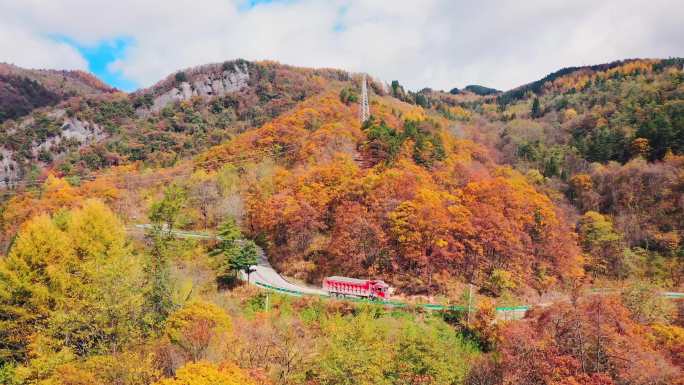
x: 363, y: 288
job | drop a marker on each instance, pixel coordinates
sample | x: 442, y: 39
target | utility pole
x: 470, y: 300
x: 364, y: 110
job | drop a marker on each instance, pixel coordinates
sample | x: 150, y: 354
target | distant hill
x: 22, y: 90
x: 481, y: 90
x: 536, y: 87
x: 181, y: 115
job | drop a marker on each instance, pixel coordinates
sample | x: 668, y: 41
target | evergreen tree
x: 422, y: 100
x: 227, y: 248
x: 235, y: 255
x: 165, y: 215
x: 245, y: 258
x: 159, y: 290
x: 397, y: 89
x: 167, y: 212
x: 536, y: 108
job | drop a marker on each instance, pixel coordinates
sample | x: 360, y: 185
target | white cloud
x: 435, y: 43
x: 27, y: 49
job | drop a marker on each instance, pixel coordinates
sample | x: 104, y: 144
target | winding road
x: 265, y: 276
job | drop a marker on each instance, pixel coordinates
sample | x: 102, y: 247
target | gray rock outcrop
x: 204, y: 84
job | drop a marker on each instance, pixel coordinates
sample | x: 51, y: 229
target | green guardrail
x: 428, y: 306
x: 278, y: 289
x: 197, y: 234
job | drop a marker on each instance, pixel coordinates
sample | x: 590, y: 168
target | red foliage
x: 594, y: 342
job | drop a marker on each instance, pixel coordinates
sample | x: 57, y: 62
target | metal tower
x: 364, y: 110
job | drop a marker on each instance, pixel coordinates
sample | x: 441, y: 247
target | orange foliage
x: 289, y: 137
x: 671, y: 338
x: 55, y: 194
x: 324, y: 214
x: 580, y: 79
x: 595, y: 342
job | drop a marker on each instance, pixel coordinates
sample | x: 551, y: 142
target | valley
x: 129, y: 220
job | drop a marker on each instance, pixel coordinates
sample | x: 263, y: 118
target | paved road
x: 265, y: 275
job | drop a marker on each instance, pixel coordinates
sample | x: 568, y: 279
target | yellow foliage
x: 58, y: 192
x: 129, y: 368
x: 58, y: 281
x: 204, y: 373
x: 415, y: 114
x: 671, y: 338
x: 460, y: 112
x: 96, y: 232
x: 580, y: 79
x: 569, y: 114
x: 196, y: 325
x: 582, y: 182
x: 286, y: 136
x: 71, y: 375
x: 640, y: 147
x: 46, y: 354
x: 40, y: 244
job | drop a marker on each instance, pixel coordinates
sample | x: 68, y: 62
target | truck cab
x: 380, y: 290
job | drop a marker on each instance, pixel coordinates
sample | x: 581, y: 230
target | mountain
x: 181, y: 115
x: 346, y: 198
x: 562, y: 132
x: 610, y: 138
x: 562, y: 199
x: 22, y: 90
x: 580, y: 147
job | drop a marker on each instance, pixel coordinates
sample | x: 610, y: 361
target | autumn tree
x: 429, y: 353
x: 102, y: 311
x: 594, y: 342
x: 204, y: 194
x: 204, y: 373
x: 235, y: 253
x: 165, y: 215
x: 602, y: 243
x: 197, y: 325
x: 29, y: 283
x: 369, y: 348
x: 358, y: 243
x: 647, y: 305
x: 640, y: 147
x: 355, y: 352
x: 423, y: 228
x: 70, y: 283
x: 285, y: 346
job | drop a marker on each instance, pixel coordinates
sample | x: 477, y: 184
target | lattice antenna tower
x: 364, y: 110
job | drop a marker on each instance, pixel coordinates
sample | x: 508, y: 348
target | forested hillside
x: 609, y: 138
x: 158, y: 126
x: 398, y: 197
x: 23, y: 90
x: 566, y: 194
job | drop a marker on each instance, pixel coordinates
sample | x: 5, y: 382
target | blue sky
x: 101, y: 55
x: 253, y: 3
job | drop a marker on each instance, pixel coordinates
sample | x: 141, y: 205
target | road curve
x: 265, y: 276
